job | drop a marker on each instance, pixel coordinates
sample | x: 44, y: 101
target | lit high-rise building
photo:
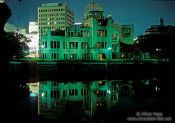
x: 55, y: 16
x: 33, y: 27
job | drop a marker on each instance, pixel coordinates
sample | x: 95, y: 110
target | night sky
x: 141, y: 13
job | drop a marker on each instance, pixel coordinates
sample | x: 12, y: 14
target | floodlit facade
x: 97, y: 38
x: 33, y: 35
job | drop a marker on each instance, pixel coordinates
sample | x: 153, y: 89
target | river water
x: 120, y: 99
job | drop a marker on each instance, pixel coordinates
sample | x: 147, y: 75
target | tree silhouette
x: 5, y: 53
x: 17, y: 44
x: 11, y: 44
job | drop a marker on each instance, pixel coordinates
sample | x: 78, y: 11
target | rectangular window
x: 58, y: 44
x: 54, y: 44
x: 43, y: 55
x: 105, y: 44
x: 65, y: 56
x: 64, y: 93
x: 83, y: 45
x: 84, y: 56
x: 98, y: 44
x: 51, y: 94
x: 73, y: 56
x: 51, y: 45
x: 64, y: 47
x: 58, y: 93
x: 54, y: 55
x: 105, y: 33
x: 46, y: 44
x: 98, y: 33
x: 71, y: 45
x: 84, y: 92
x: 76, y: 92
x: 102, y: 45
x: 76, y: 45
x: 71, y: 92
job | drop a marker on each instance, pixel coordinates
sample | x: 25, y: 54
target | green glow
x: 101, y: 35
x: 56, y: 95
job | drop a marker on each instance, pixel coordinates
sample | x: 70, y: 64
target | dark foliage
x: 161, y: 44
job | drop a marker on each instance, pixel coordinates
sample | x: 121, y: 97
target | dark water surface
x: 126, y: 98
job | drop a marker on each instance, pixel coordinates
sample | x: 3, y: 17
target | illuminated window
x: 102, y: 56
x: 98, y: 44
x: 98, y: 33
x: 73, y: 56
x: 101, y: 93
x: 73, y: 45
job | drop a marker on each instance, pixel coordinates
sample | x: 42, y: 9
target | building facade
x: 97, y: 38
x: 33, y: 27
x: 55, y: 16
x: 33, y: 35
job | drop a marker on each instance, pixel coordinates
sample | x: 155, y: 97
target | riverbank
x: 85, y: 70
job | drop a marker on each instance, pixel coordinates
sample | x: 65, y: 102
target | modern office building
x: 33, y: 27
x: 55, y: 16
x: 97, y: 38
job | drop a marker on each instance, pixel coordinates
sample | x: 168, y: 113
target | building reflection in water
x: 97, y: 101
x: 89, y: 101
x: 77, y: 100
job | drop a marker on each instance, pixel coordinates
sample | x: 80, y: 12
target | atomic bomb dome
x: 93, y: 10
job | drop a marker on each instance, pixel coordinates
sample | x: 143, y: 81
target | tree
x: 17, y: 44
